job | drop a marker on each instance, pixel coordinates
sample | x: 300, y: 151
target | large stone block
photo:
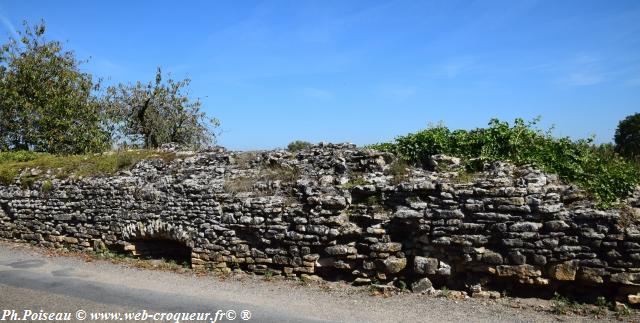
x: 564, y: 272
x: 425, y: 266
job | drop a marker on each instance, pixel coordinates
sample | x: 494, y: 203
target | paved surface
x: 30, y: 280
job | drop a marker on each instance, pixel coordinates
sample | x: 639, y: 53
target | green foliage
x: 47, y: 186
x: 124, y: 160
x: 598, y: 169
x: 402, y: 285
x: 17, y: 156
x: 627, y: 137
x: 563, y: 305
x: 358, y: 180
x: 298, y: 145
x: 46, y: 102
x: 156, y: 113
x: 268, y: 275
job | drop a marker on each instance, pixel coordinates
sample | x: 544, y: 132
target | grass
x: 286, y: 175
x: 465, y: 176
x: 356, y: 181
x: 13, y: 163
x: 244, y: 159
x: 561, y: 305
x: 238, y: 184
x: 47, y: 186
x: 399, y: 171
x: 402, y: 285
x: 628, y: 216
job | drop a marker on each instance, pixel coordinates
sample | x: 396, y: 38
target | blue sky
x: 364, y: 71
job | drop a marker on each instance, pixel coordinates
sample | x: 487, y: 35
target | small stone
x: 361, y: 281
x: 525, y: 227
x: 408, y: 214
x: 444, y: 269
x: 621, y: 307
x: 633, y: 299
x: 564, y: 272
x: 423, y: 285
x: 492, y: 258
x: 481, y: 295
x: 556, y: 225
x: 425, y: 266
x: 394, y: 265
x: 386, y: 247
x: 310, y: 278
x: 70, y: 240
x: 521, y: 271
x: 591, y: 275
x: 626, y: 278
x: 340, y: 250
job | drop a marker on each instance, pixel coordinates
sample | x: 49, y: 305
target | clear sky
x: 364, y: 71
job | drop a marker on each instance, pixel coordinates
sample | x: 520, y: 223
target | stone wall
x: 344, y: 213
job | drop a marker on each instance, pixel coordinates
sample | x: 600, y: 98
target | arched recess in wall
x: 159, y: 240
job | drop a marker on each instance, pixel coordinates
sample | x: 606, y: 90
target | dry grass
x: 628, y: 216
x: 399, y: 170
x: 267, y: 175
x: 238, y: 184
x: 13, y: 163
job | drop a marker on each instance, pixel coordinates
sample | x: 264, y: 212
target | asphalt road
x: 30, y: 280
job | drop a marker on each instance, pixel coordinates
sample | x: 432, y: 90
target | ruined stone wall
x: 344, y: 213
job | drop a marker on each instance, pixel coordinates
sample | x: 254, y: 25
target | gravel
x: 32, y: 279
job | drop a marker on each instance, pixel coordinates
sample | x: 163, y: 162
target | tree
x: 627, y: 136
x: 159, y: 112
x: 46, y: 102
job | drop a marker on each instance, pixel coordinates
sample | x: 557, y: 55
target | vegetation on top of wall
x: 298, y: 145
x: 13, y: 163
x: 598, y: 169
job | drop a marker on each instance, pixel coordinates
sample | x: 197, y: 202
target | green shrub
x: 298, y: 145
x: 47, y: 186
x: 598, y: 169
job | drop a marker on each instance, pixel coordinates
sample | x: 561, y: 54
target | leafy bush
x: 298, y: 145
x: 598, y: 169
